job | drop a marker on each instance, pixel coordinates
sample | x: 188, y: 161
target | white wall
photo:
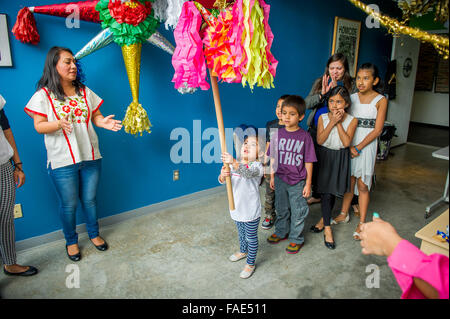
x: 430, y: 108
x: 399, y: 109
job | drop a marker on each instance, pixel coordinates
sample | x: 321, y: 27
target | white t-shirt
x: 247, y: 203
x: 82, y: 143
x: 6, y: 151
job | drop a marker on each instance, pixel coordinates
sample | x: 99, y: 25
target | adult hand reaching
x: 429, y: 274
x: 378, y: 238
x: 110, y: 124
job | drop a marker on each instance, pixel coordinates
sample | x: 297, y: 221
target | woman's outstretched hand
x: 110, y: 124
x: 378, y: 238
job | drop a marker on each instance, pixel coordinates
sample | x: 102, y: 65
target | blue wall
x: 138, y: 171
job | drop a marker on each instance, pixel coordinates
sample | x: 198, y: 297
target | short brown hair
x: 297, y: 102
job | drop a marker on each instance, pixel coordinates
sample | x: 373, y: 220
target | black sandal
x: 314, y: 229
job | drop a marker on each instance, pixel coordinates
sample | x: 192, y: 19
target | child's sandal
x: 237, y: 256
x: 247, y: 272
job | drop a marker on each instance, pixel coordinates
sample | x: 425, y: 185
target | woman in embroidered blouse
x: 63, y: 109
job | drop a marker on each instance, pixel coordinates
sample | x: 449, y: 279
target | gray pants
x: 7, y: 230
x: 290, y: 221
x: 269, y: 203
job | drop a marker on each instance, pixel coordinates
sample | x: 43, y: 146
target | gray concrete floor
x: 183, y: 252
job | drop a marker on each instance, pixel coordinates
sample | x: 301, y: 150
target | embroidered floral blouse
x: 82, y: 143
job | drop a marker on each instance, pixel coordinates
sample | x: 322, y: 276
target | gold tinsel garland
x: 420, y: 7
x: 439, y: 42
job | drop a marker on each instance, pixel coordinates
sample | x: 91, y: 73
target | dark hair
x: 347, y: 79
x: 297, y: 102
x: 283, y: 97
x: 50, y: 76
x: 343, y: 92
x: 375, y: 73
x: 251, y: 135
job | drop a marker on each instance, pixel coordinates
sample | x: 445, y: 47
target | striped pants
x: 7, y: 199
x: 248, y: 239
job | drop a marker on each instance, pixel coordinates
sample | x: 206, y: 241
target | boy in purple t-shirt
x: 292, y: 155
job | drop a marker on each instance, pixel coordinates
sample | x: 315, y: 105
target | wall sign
x: 5, y: 50
x: 407, y: 67
x: 346, y: 41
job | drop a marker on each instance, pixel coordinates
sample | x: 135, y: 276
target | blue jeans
x: 290, y: 222
x: 72, y: 182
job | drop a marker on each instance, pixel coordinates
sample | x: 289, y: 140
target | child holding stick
x: 246, y: 177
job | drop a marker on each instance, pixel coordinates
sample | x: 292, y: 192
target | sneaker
x: 267, y: 223
x: 247, y: 272
x: 274, y: 239
x: 294, y: 248
x: 237, y: 256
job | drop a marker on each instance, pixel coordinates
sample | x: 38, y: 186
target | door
x: 405, y: 50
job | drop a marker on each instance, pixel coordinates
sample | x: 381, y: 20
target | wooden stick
x: 223, y: 144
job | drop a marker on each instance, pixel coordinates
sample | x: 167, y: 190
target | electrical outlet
x: 176, y: 175
x: 18, y: 211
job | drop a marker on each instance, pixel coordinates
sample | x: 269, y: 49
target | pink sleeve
x: 407, y: 262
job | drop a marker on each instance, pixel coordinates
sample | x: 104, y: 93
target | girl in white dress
x: 369, y: 107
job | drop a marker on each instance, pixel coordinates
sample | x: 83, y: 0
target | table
x: 429, y: 244
x: 442, y: 154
